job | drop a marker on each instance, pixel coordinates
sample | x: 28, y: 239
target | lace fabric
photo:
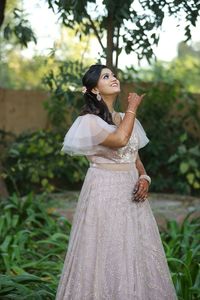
x: 115, y: 251
x: 89, y: 131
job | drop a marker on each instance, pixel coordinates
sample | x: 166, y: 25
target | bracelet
x: 132, y: 112
x: 144, y: 176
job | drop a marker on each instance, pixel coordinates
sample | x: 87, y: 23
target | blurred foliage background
x: 33, y: 238
x: 169, y: 114
x: 33, y: 160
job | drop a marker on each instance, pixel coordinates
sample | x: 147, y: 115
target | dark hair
x: 92, y: 105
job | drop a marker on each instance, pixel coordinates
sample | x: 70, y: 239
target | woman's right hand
x: 120, y: 137
x: 134, y: 101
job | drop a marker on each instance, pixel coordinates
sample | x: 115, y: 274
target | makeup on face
x: 107, y: 82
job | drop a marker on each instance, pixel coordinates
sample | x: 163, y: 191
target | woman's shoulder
x: 92, y: 121
x: 86, y: 119
x: 89, y: 117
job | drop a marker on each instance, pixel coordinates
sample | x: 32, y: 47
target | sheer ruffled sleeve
x: 85, y: 135
x: 143, y: 139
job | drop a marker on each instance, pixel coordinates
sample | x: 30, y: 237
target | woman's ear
x: 95, y: 91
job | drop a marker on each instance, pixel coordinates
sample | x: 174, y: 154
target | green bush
x: 65, y: 87
x: 33, y: 241
x: 182, y: 248
x: 165, y: 120
x: 33, y: 244
x: 168, y: 113
x: 188, y: 159
x: 34, y: 162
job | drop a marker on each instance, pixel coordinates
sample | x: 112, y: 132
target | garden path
x: 165, y: 206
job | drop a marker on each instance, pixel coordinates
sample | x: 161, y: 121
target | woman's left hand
x: 141, y: 190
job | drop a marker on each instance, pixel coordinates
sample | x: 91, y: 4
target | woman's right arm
x: 121, y: 136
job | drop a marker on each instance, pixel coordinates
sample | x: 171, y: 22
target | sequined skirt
x: 115, y: 251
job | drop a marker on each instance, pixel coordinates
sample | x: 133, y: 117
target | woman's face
x: 108, y: 84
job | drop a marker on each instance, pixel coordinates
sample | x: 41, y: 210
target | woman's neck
x: 110, y: 102
x: 110, y: 108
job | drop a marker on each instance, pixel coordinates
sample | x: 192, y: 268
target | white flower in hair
x: 84, y: 89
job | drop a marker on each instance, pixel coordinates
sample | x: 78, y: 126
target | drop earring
x: 98, y: 97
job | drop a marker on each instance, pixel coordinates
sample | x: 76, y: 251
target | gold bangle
x: 132, y: 112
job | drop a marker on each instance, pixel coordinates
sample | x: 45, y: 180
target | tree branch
x: 2, y: 11
x: 95, y: 31
x: 110, y: 37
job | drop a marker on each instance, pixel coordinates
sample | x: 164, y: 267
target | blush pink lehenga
x: 115, y: 251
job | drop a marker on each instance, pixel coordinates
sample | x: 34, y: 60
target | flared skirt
x: 115, y: 250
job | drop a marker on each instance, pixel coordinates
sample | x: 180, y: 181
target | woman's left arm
x: 142, y: 186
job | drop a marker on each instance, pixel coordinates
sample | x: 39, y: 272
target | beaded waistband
x: 114, y: 166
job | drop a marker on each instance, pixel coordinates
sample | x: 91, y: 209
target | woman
x: 115, y: 251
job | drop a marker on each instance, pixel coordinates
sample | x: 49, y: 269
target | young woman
x: 115, y: 251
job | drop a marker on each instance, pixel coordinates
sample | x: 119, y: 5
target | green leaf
x: 182, y: 149
x: 183, y: 137
x: 184, y: 167
x: 173, y: 158
x: 190, y: 177
x: 196, y: 185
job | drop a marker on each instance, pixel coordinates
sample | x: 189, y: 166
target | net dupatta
x: 89, y: 131
x: 85, y: 135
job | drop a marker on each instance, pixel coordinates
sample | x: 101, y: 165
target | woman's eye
x: 106, y: 76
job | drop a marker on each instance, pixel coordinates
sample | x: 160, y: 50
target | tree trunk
x: 110, y: 36
x: 117, y: 50
x: 3, y: 188
x: 2, y: 11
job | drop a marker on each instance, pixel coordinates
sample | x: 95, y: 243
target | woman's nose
x: 113, y: 79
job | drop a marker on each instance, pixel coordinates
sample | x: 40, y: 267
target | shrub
x: 65, y: 100
x: 181, y: 244
x: 34, y: 162
x: 165, y: 120
x: 33, y: 244
x: 33, y: 240
x: 187, y: 158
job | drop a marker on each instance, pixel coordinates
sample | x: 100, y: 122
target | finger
x: 133, y: 96
x: 142, y: 191
x: 144, y: 198
x: 131, y: 99
x: 142, y: 96
x: 139, y: 195
x: 136, y: 199
x: 140, y: 200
